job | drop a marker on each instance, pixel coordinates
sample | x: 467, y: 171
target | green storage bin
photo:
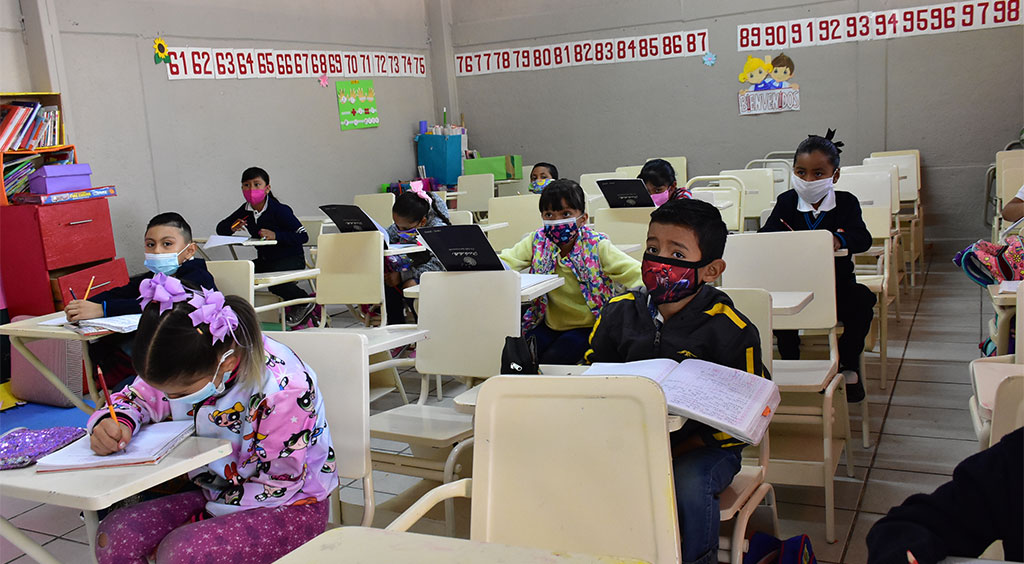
x: 507, y: 167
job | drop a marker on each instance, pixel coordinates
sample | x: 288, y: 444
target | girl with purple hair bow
x: 201, y: 357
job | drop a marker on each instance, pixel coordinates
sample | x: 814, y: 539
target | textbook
x: 724, y: 398
x: 461, y: 247
x: 98, y: 192
x: 350, y: 218
x: 625, y: 193
x: 148, y: 446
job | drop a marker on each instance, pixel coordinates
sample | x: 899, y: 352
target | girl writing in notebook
x: 201, y: 357
x: 263, y: 216
x: 413, y: 209
x: 562, y: 320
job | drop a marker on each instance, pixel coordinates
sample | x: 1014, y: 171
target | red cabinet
x: 44, y: 250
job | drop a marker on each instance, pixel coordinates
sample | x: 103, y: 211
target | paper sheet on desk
x: 222, y: 240
x: 1008, y: 286
x: 526, y: 280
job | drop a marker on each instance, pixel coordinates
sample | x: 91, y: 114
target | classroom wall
x: 957, y: 97
x: 14, y: 76
x: 182, y: 145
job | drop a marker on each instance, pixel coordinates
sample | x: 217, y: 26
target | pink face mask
x: 255, y: 197
x: 660, y: 198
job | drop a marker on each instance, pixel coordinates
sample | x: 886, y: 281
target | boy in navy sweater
x: 264, y: 216
x: 813, y: 203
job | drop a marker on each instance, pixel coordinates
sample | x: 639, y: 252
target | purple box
x: 52, y: 179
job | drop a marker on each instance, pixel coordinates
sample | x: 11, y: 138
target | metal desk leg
x: 234, y: 255
x: 90, y: 376
x: 17, y: 343
x: 30, y: 547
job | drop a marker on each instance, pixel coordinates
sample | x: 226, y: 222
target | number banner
x: 769, y: 101
x: 868, y: 26
x: 357, y: 104
x: 590, y: 52
x: 197, y: 63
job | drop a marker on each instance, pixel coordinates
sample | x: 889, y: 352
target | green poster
x: 357, y: 104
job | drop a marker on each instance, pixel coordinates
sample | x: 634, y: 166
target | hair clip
x: 162, y: 289
x: 210, y: 309
x: 416, y: 187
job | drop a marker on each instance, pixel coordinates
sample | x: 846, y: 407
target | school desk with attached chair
x: 200, y: 241
x: 96, y: 489
x: 34, y: 329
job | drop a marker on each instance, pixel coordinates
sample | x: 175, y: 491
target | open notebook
x: 100, y: 325
x: 724, y: 398
x: 148, y: 446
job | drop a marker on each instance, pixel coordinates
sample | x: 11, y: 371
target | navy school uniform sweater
x: 844, y: 221
x: 124, y: 300
x: 277, y: 217
x: 708, y: 328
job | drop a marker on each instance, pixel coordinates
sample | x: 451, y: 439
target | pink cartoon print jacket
x: 281, y: 448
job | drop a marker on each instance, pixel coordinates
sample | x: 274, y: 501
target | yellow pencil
x: 87, y: 290
x: 106, y: 393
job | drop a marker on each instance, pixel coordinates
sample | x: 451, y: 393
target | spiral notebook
x: 148, y: 446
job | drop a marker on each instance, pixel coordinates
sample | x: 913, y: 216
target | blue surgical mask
x: 207, y: 391
x: 166, y: 263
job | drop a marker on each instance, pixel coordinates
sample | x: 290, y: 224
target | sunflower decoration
x: 160, y: 54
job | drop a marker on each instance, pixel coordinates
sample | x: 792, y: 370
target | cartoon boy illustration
x: 756, y: 74
x: 782, y: 70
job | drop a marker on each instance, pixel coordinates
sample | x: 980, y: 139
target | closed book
x: 11, y: 125
x: 99, y: 192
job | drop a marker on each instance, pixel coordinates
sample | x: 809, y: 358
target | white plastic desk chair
x: 378, y: 206
x: 878, y: 186
x: 477, y: 190
x: 788, y: 155
x: 314, y: 228
x: 987, y: 373
x: 351, y: 272
x: 595, y: 198
x: 758, y: 191
x: 341, y: 365
x: 625, y: 226
x: 810, y: 430
x: 911, y: 214
x: 460, y: 217
x: 236, y: 277
x: 1009, y: 176
x: 748, y: 489
x: 679, y: 165
x: 632, y: 171
x: 781, y: 171
x: 1008, y: 409
x: 522, y: 213
x: 468, y: 314
x: 881, y: 279
x: 544, y: 474
x: 731, y: 191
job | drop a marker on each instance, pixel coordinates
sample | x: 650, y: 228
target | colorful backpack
x: 766, y: 549
x: 989, y: 263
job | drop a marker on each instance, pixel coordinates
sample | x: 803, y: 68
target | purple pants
x: 163, y: 526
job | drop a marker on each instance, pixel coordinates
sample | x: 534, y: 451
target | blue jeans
x: 700, y: 475
x: 560, y: 347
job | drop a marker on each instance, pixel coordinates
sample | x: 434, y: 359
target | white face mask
x: 811, y: 192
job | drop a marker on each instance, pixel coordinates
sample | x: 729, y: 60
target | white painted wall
x: 957, y: 97
x: 182, y: 145
x: 14, y: 76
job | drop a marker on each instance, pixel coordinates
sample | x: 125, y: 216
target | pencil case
x: 20, y: 447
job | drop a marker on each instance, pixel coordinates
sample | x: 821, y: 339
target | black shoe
x: 854, y: 386
x: 298, y: 314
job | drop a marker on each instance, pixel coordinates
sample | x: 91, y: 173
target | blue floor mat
x: 38, y: 416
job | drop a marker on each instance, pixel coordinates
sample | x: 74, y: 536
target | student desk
x: 231, y: 247
x: 92, y: 490
x: 403, y: 250
x: 790, y: 303
x: 1005, y: 306
x: 485, y: 227
x: 28, y: 330
x: 359, y: 545
x: 264, y: 280
x: 466, y: 401
x: 528, y: 294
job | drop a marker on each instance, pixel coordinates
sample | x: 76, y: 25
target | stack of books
x: 26, y: 125
x: 17, y: 170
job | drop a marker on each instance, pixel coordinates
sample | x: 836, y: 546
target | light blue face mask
x: 208, y: 390
x: 166, y: 263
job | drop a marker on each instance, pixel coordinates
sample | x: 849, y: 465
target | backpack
x: 988, y: 263
x: 766, y: 549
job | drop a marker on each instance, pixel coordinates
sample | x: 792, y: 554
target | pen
x: 73, y: 296
x: 89, y: 289
x: 786, y: 224
x: 106, y: 393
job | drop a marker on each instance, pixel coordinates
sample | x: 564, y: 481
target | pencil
x: 910, y: 558
x: 106, y: 393
x: 89, y: 289
x: 73, y: 296
x: 786, y: 224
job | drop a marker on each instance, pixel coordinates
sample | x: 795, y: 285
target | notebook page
x: 118, y: 323
x: 1008, y: 286
x: 222, y: 240
x: 724, y: 398
x: 656, y: 369
x: 151, y: 443
x: 526, y: 279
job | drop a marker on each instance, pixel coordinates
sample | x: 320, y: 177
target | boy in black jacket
x: 169, y: 249
x: 813, y: 203
x: 264, y: 216
x: 676, y: 315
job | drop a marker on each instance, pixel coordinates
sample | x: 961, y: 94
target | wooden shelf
x: 46, y: 99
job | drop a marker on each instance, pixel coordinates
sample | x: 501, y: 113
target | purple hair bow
x: 210, y: 309
x: 162, y: 289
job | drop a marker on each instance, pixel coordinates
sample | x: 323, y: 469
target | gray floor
x: 920, y: 429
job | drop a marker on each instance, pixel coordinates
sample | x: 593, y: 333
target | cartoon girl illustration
x: 308, y: 400
x: 230, y: 418
x: 300, y: 440
x: 756, y: 74
x: 269, y: 492
x: 258, y: 408
x: 329, y: 464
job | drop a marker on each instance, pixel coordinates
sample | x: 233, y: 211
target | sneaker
x: 298, y: 314
x: 854, y: 386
